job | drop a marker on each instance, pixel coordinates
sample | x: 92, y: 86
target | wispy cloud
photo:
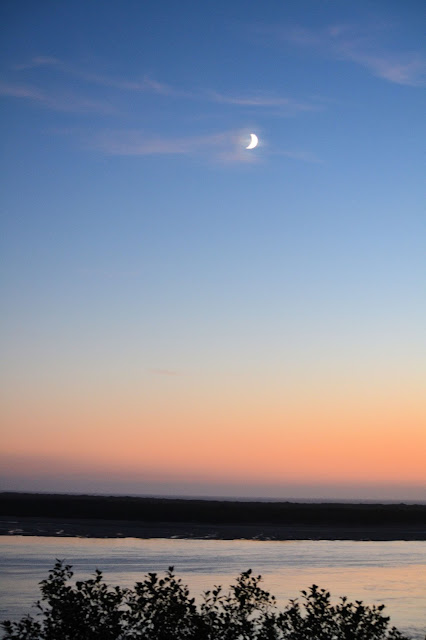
x: 37, y: 61
x: 164, y: 372
x: 144, y: 85
x: 57, y: 101
x: 228, y: 147
x: 147, y: 84
x: 138, y: 143
x: 406, y: 69
x: 223, y: 147
x: 261, y: 100
x: 360, y: 46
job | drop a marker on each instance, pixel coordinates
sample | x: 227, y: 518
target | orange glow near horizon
x: 262, y: 439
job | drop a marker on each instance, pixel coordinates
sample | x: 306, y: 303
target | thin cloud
x: 67, y: 102
x: 21, y: 91
x: 223, y: 147
x: 149, y: 85
x: 228, y: 147
x: 145, y: 84
x: 138, y: 143
x: 164, y: 372
x: 406, y: 69
x: 37, y: 61
x: 346, y: 42
x: 261, y: 100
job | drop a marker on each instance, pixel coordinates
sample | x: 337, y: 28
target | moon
x: 253, y: 142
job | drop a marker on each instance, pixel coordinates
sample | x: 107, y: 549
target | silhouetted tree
x: 161, y: 609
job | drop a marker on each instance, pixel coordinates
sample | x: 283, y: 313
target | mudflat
x: 75, y: 527
x: 127, y: 516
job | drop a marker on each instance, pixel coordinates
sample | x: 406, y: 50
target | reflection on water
x: 375, y: 572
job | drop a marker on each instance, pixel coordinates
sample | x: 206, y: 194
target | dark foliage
x: 160, y: 608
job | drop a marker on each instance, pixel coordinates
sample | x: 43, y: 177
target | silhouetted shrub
x: 160, y: 608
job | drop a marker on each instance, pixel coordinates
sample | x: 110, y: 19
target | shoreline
x: 11, y: 526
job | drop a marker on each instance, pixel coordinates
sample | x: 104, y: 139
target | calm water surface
x: 393, y: 573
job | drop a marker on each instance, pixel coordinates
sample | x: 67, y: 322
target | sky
x: 181, y: 315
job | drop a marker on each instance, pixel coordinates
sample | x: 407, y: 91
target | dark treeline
x: 209, y: 511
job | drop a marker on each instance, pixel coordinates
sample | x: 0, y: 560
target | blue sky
x: 143, y: 243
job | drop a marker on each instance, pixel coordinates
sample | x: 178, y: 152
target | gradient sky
x: 181, y: 315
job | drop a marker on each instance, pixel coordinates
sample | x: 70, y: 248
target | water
x: 393, y: 573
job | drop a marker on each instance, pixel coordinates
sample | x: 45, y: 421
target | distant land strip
x: 125, y: 516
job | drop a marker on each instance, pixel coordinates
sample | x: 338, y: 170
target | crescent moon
x: 253, y: 142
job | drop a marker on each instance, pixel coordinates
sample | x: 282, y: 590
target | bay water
x: 392, y: 573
